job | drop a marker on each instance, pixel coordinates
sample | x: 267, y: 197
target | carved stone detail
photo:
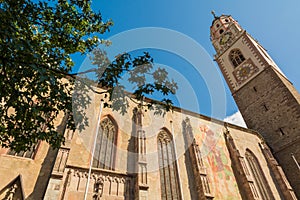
x: 104, y: 184
x: 199, y: 169
x: 11, y: 192
x: 239, y: 169
x: 60, y: 162
x: 98, y: 188
x: 164, y: 137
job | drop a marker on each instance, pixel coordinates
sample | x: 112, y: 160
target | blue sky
x: 275, y: 24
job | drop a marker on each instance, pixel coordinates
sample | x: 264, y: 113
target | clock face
x: 245, y: 71
x: 225, y: 38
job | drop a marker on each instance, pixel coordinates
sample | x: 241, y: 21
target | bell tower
x: 265, y: 97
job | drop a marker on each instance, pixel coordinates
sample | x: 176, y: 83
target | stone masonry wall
x: 270, y: 105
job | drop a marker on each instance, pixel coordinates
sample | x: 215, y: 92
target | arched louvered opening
x: 236, y: 57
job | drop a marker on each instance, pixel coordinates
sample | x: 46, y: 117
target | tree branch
x: 89, y: 86
x: 84, y: 72
x: 74, y: 76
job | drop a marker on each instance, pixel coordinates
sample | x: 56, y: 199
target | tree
x: 37, y: 40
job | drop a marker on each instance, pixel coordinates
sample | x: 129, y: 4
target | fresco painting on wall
x: 217, y: 160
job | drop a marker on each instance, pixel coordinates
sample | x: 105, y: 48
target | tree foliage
x: 37, y: 40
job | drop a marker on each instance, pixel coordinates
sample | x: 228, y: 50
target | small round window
x: 221, y: 31
x: 218, y: 25
x: 226, y: 20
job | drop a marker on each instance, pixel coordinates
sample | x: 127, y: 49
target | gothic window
x: 258, y: 177
x: 236, y: 57
x: 167, y: 167
x: 25, y: 154
x: 105, y: 148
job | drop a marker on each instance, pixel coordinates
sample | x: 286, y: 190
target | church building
x: 179, y: 155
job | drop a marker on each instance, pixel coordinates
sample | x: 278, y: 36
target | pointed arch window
x: 236, y: 57
x: 258, y: 176
x: 167, y: 167
x: 104, y: 156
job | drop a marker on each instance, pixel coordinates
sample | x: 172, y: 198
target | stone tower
x: 265, y: 97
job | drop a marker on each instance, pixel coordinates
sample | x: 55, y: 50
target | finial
x: 214, y: 14
x: 226, y: 129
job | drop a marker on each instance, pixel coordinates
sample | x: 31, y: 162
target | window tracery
x: 167, y: 167
x: 105, y: 147
x: 236, y: 57
x: 259, y: 179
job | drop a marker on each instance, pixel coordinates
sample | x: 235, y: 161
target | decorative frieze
x: 103, y: 184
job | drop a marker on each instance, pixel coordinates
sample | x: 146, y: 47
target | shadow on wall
x: 187, y: 159
x: 46, y: 168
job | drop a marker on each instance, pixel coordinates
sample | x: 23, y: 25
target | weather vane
x: 214, y: 14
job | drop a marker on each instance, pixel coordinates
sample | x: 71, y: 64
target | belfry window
x: 105, y: 148
x: 236, y: 57
x: 258, y: 177
x: 167, y: 167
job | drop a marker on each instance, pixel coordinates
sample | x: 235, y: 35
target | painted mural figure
x: 217, y: 157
